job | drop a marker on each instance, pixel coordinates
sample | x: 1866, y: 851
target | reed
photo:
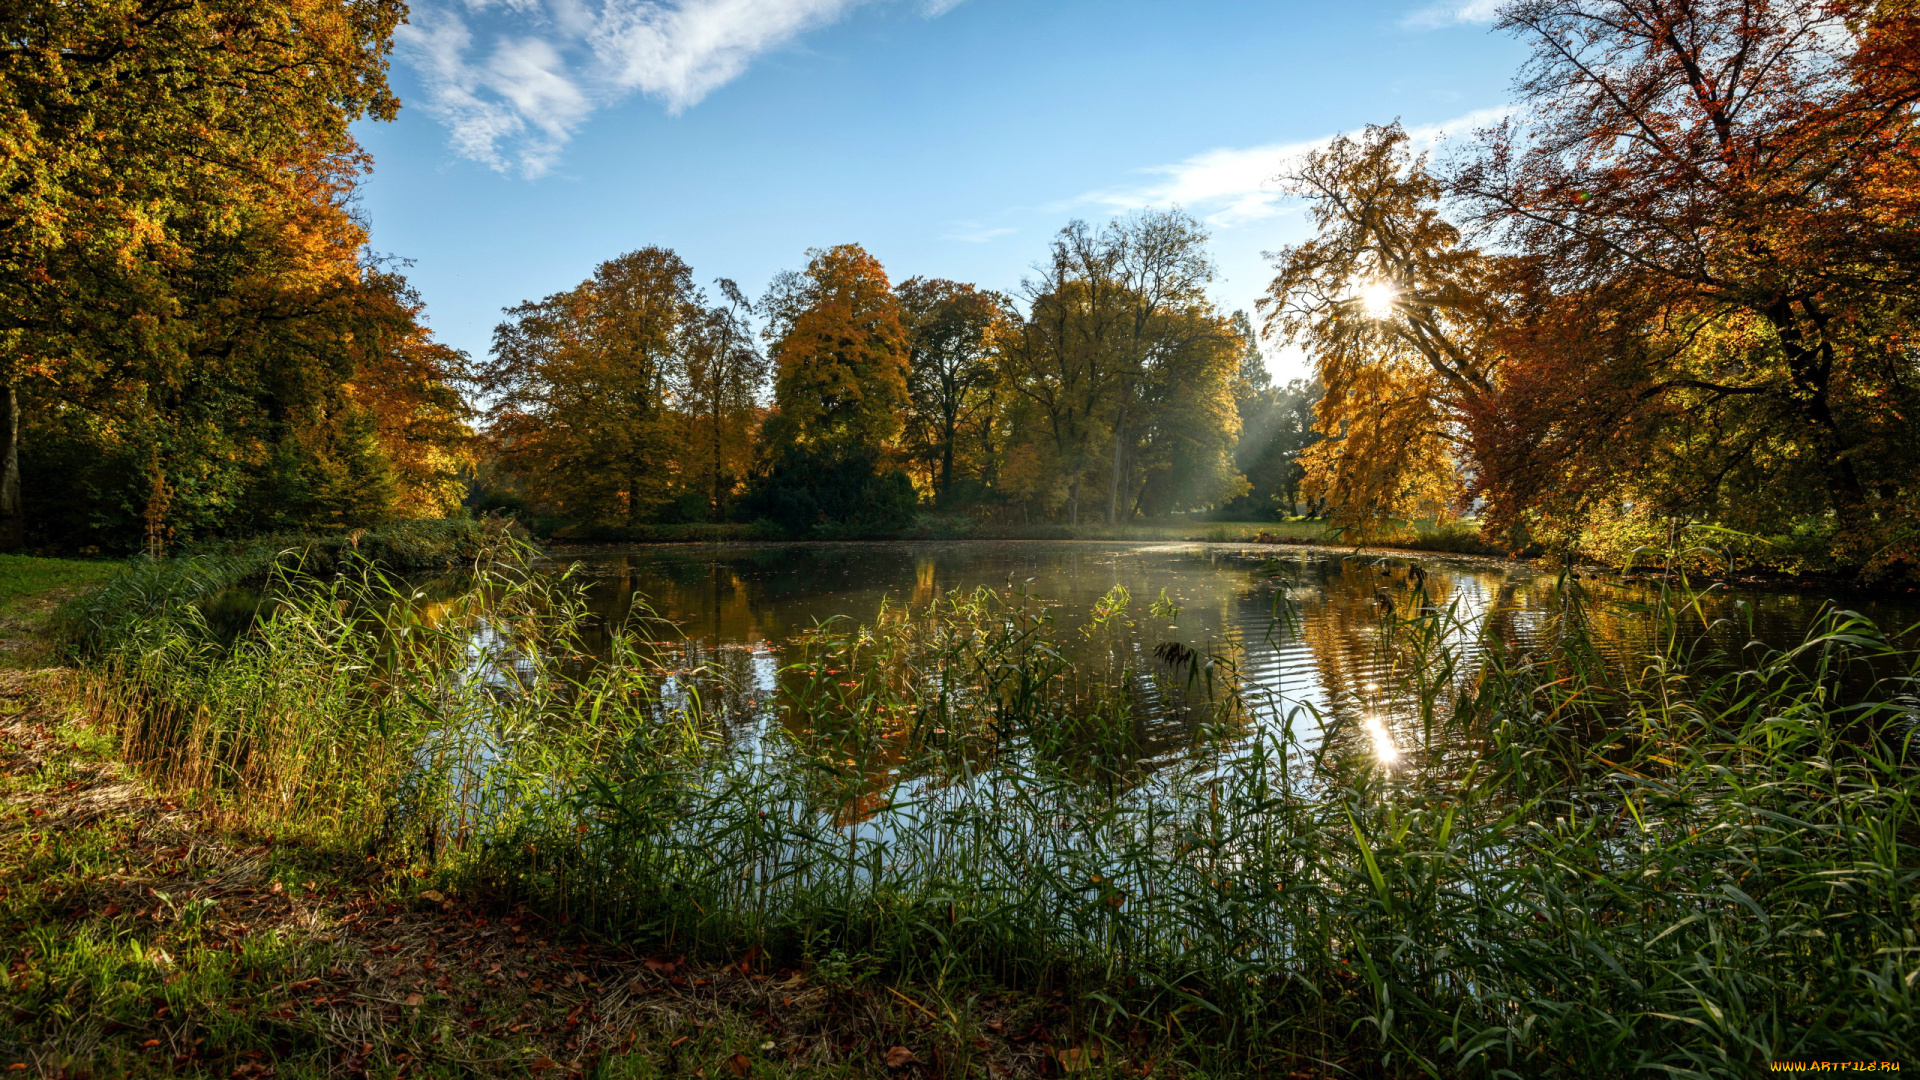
x: 1692, y: 863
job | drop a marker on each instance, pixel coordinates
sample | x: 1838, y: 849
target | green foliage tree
x: 953, y: 334
x: 1123, y: 362
x: 1276, y: 427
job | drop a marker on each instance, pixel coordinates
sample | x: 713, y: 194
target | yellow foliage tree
x: 1395, y: 312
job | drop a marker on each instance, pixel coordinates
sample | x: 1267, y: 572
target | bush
x: 836, y: 495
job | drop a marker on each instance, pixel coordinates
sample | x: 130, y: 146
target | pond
x: 1301, y: 629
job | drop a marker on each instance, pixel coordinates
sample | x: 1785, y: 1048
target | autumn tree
x: 721, y: 377
x: 1719, y: 201
x: 580, y: 386
x: 142, y: 137
x: 839, y: 396
x: 1395, y: 310
x: 258, y: 398
x: 406, y: 382
x: 953, y: 331
x: 1116, y: 320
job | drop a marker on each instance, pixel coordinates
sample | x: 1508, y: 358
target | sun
x: 1377, y: 298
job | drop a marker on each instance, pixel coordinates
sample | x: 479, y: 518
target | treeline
x: 1676, y: 296
x: 841, y: 404
x: 194, y: 337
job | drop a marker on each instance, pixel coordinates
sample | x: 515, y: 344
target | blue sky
x: 952, y: 138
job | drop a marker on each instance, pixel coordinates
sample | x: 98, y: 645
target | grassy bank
x: 1685, y: 864
x: 31, y: 589
x: 153, y: 924
x: 147, y: 938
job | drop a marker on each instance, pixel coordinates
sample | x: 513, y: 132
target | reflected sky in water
x: 1305, y: 630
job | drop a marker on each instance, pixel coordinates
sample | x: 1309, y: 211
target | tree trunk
x: 13, y: 520
x: 716, y: 458
x: 1810, y: 370
x: 945, y: 495
x: 1073, y: 503
x: 1119, y: 450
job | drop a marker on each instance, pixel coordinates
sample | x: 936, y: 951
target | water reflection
x: 1304, y: 635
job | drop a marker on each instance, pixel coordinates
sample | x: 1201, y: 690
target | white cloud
x: 1453, y: 13
x: 1231, y: 187
x: 682, y: 53
x: 553, y: 62
x: 968, y: 233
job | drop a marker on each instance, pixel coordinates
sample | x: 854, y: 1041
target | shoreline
x: 1840, y: 586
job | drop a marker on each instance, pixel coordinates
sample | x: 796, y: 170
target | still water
x: 1302, y: 629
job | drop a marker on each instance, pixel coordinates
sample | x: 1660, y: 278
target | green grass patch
x: 25, y: 578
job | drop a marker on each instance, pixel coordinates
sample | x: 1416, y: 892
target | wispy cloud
x: 1453, y: 13
x: 513, y: 102
x: 969, y: 233
x: 1230, y: 187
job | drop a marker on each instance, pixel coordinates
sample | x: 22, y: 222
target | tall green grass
x: 1687, y: 864
x: 176, y: 590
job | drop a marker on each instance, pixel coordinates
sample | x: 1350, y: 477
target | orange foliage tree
x: 1716, y: 204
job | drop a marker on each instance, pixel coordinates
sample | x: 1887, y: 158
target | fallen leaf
x: 900, y: 1057
x: 415, y: 999
x: 739, y: 1063
x: 1076, y: 1059
x: 433, y: 895
x: 541, y: 1064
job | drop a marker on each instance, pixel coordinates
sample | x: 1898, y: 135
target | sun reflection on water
x: 1383, y: 745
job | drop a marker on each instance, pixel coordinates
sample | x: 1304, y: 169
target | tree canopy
x: 193, y: 336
